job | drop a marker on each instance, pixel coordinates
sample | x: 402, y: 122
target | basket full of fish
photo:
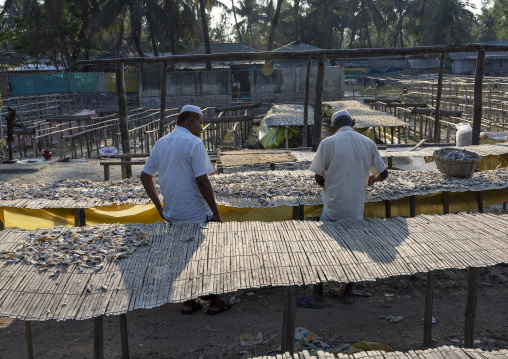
x: 455, y: 162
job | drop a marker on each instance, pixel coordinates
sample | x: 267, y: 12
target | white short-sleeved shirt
x: 346, y: 160
x: 179, y: 158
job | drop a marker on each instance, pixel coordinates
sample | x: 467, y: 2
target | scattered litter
x: 477, y: 341
x: 307, y: 340
x: 54, y: 275
x: 249, y: 339
x: 187, y: 239
x: 455, y: 341
x: 108, y: 151
x: 361, y: 293
x: 232, y: 300
x: 392, y: 318
x: 433, y: 320
x: 251, y: 293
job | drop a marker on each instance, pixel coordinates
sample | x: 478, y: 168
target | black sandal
x: 224, y: 307
x: 195, y: 307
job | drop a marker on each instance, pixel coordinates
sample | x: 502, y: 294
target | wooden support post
x: 106, y: 173
x: 298, y: 213
x: 388, y: 205
x: 29, y: 343
x: 288, y: 326
x: 429, y: 301
x: 437, y: 125
x: 504, y: 205
x: 446, y: 202
x: 79, y: 217
x: 306, y: 105
x: 318, y: 102
x: 390, y: 162
x: 479, y: 197
x: 470, y: 314
x: 163, y: 99
x: 412, y: 206
x: 122, y: 114
x: 477, y: 104
x: 272, y: 166
x: 98, y: 339
x: 2, y: 226
x: 124, y: 339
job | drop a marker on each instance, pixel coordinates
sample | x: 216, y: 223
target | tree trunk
x: 206, y: 35
x: 236, y: 21
x: 273, y: 26
x: 296, y: 10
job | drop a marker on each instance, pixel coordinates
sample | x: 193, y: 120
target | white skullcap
x: 191, y: 108
x: 341, y: 113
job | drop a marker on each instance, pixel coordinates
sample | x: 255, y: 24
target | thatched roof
x: 11, y: 59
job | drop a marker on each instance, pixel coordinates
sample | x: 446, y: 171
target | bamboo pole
x: 318, y: 102
x: 264, y: 55
x: 437, y: 125
x: 477, y: 104
x: 306, y: 105
x: 122, y: 113
x: 429, y: 302
x: 470, y: 313
x: 288, y: 327
x: 164, y: 74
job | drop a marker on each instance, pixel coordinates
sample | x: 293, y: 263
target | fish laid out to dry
x: 86, y: 247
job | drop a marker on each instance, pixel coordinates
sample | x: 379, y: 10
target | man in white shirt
x: 181, y: 160
x: 344, y: 165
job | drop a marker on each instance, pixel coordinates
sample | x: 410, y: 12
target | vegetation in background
x: 66, y: 30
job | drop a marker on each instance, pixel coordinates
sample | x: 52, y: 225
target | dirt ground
x: 166, y: 333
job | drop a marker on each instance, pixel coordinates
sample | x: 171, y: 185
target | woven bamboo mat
x: 183, y: 261
x: 252, y: 189
x: 365, y: 116
x: 444, y: 352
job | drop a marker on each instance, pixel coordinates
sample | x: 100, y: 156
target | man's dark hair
x: 183, y: 116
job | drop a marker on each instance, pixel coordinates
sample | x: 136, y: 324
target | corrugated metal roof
x: 297, y: 46
x: 423, y: 63
x: 457, y: 56
x: 11, y: 59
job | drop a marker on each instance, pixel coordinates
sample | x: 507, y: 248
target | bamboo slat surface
x: 183, y: 260
x: 483, y: 150
x: 444, y: 352
x: 365, y: 116
x: 253, y: 189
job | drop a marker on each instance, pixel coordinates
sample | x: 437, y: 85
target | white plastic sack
x: 496, y: 136
x: 464, y: 135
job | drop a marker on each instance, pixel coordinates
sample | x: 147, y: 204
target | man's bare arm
x: 150, y: 190
x: 378, y: 178
x: 320, y: 180
x: 205, y: 187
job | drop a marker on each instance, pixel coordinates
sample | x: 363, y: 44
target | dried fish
x: 86, y: 247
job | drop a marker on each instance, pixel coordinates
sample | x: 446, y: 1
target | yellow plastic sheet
x: 127, y: 213
x: 37, y: 218
x: 367, y: 132
x: 425, y: 204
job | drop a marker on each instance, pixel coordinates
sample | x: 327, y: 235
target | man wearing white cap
x: 344, y: 165
x: 181, y: 160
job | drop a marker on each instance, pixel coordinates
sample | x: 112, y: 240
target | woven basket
x: 457, y: 168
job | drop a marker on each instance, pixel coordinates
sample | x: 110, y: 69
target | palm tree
x: 252, y: 14
x: 446, y: 22
x: 273, y: 26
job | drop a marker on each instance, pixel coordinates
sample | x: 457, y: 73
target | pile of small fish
x: 112, y: 191
x: 456, y: 154
x: 365, y: 116
x: 86, y: 247
x: 264, y: 185
x: 288, y: 115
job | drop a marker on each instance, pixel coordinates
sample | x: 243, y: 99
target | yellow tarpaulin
x: 425, y: 204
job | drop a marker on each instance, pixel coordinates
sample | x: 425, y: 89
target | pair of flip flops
x: 306, y: 303
x: 224, y: 307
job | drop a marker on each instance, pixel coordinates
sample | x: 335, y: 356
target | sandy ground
x: 166, y: 333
